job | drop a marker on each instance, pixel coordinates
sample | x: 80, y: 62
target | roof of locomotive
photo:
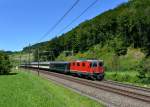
x: 88, y: 61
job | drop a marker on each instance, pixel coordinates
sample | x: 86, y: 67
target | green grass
x: 28, y: 90
x: 129, y: 77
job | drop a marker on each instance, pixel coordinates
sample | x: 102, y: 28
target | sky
x: 24, y: 22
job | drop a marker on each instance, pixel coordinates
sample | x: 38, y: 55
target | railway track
x: 142, y: 94
x: 145, y: 89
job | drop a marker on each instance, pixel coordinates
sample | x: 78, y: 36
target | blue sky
x: 25, y: 21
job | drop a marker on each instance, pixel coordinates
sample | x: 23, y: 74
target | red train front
x: 91, y: 68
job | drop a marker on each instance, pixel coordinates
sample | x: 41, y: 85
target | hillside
x: 123, y: 27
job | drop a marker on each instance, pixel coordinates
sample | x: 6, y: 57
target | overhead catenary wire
x: 51, y: 29
x: 84, y: 11
x: 59, y: 21
x: 55, y: 25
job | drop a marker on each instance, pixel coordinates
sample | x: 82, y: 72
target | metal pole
x: 20, y: 62
x: 29, y: 56
x: 38, y: 61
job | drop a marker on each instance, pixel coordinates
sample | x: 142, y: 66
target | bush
x: 144, y: 71
x: 5, y: 64
x: 122, y: 76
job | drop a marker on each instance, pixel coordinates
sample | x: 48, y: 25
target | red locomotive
x: 91, y: 68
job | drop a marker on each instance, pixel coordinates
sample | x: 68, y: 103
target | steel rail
x: 127, y: 85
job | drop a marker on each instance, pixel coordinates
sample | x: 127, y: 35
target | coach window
x: 78, y: 64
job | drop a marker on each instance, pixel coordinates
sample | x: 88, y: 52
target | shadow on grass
x: 13, y: 73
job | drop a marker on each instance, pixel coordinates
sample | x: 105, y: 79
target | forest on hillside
x: 128, y: 23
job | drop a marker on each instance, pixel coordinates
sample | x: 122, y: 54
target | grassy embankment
x: 24, y: 89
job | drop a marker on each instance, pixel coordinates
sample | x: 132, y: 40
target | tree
x: 5, y: 63
x: 144, y: 71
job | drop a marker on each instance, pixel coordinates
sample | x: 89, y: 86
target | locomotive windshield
x: 96, y: 64
x: 93, y: 64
